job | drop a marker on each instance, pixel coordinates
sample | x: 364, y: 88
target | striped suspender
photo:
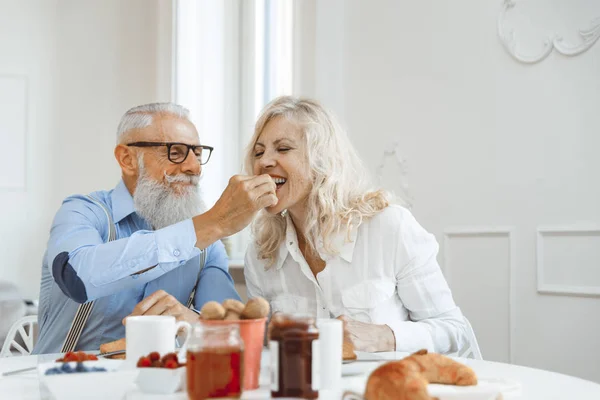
x: 84, y: 310
x: 190, y: 302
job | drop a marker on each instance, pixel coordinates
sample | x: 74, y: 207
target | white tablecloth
x: 534, y: 384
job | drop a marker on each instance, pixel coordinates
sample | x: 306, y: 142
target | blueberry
x: 80, y: 367
x: 66, y: 368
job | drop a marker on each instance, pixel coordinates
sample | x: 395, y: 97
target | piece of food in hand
x: 212, y: 310
x: 256, y: 308
x: 407, y: 379
x: 233, y: 309
x: 116, y: 345
x: 348, y: 350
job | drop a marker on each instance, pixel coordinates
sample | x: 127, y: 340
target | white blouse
x: 387, y: 274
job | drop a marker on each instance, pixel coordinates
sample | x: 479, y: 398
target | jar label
x: 274, y: 354
x: 316, y: 365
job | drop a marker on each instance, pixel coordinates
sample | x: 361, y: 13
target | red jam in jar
x: 215, y: 363
x: 294, y: 357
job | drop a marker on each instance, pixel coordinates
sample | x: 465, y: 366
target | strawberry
x: 70, y: 356
x: 154, y: 356
x: 170, y: 356
x: 171, y: 364
x: 144, y: 362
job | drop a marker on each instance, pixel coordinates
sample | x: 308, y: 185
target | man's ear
x: 127, y: 160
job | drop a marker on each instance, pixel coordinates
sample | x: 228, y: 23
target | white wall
x: 85, y: 63
x: 493, y: 150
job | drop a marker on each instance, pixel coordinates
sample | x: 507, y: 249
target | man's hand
x: 162, y: 303
x: 368, y: 337
x: 243, y: 197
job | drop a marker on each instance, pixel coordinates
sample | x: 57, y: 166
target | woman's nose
x: 267, y: 161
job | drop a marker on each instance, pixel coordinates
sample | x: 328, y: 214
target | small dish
x: 161, y: 380
x: 110, y: 384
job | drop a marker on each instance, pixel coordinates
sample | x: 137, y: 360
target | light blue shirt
x: 79, y: 266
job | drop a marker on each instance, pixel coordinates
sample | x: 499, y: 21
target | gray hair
x: 141, y: 116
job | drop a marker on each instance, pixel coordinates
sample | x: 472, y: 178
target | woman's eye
x: 284, y: 149
x: 258, y: 154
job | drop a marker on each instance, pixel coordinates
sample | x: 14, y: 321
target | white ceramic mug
x: 147, y: 333
x: 331, y: 337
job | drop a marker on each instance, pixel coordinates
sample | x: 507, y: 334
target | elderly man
x: 154, y: 264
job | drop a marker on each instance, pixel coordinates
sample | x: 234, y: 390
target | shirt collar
x: 122, y: 202
x: 345, y: 248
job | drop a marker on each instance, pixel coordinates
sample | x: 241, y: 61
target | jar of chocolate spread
x: 294, y: 352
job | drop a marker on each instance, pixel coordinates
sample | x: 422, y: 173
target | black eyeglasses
x: 178, y: 152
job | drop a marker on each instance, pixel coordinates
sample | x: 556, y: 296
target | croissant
x: 407, y: 379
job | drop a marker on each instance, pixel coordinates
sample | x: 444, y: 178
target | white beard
x: 160, y: 205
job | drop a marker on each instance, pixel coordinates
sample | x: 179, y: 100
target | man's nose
x: 191, y: 165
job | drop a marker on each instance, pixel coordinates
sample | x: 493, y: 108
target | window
x: 231, y: 58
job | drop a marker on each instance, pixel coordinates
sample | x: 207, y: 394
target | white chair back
x: 472, y: 350
x: 21, y: 337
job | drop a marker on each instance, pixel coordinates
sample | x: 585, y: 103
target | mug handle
x: 188, y: 333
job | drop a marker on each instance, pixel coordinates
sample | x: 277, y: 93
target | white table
x: 535, y: 384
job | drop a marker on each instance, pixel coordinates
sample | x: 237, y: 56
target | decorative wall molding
x: 550, y: 288
x: 489, y: 231
x: 14, y: 114
x: 400, y: 188
x: 589, y: 36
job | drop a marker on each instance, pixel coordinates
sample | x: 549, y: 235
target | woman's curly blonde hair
x: 341, y: 195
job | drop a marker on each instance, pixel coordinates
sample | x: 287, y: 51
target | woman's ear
x: 127, y: 160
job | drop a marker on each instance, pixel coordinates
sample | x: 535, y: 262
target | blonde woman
x: 333, y: 247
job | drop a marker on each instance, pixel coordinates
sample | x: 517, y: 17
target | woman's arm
x: 436, y: 323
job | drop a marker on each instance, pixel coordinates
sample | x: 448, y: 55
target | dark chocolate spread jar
x: 294, y: 357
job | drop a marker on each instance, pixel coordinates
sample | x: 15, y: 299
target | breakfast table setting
x: 512, y: 381
x: 233, y: 352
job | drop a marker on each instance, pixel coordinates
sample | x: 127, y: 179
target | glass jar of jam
x: 294, y: 357
x: 215, y: 362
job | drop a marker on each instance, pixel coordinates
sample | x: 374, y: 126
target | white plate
x: 359, y: 367
x: 486, y: 389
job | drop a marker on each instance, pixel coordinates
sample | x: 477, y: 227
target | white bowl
x: 110, y: 384
x: 161, y: 380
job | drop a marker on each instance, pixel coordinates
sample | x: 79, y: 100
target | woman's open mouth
x: 279, y: 182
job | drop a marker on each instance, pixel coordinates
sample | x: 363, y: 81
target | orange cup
x: 252, y: 332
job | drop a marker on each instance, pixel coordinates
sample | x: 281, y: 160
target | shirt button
x: 291, y: 243
x: 176, y: 253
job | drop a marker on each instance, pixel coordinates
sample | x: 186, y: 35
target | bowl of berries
x: 160, y: 375
x: 79, y: 375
